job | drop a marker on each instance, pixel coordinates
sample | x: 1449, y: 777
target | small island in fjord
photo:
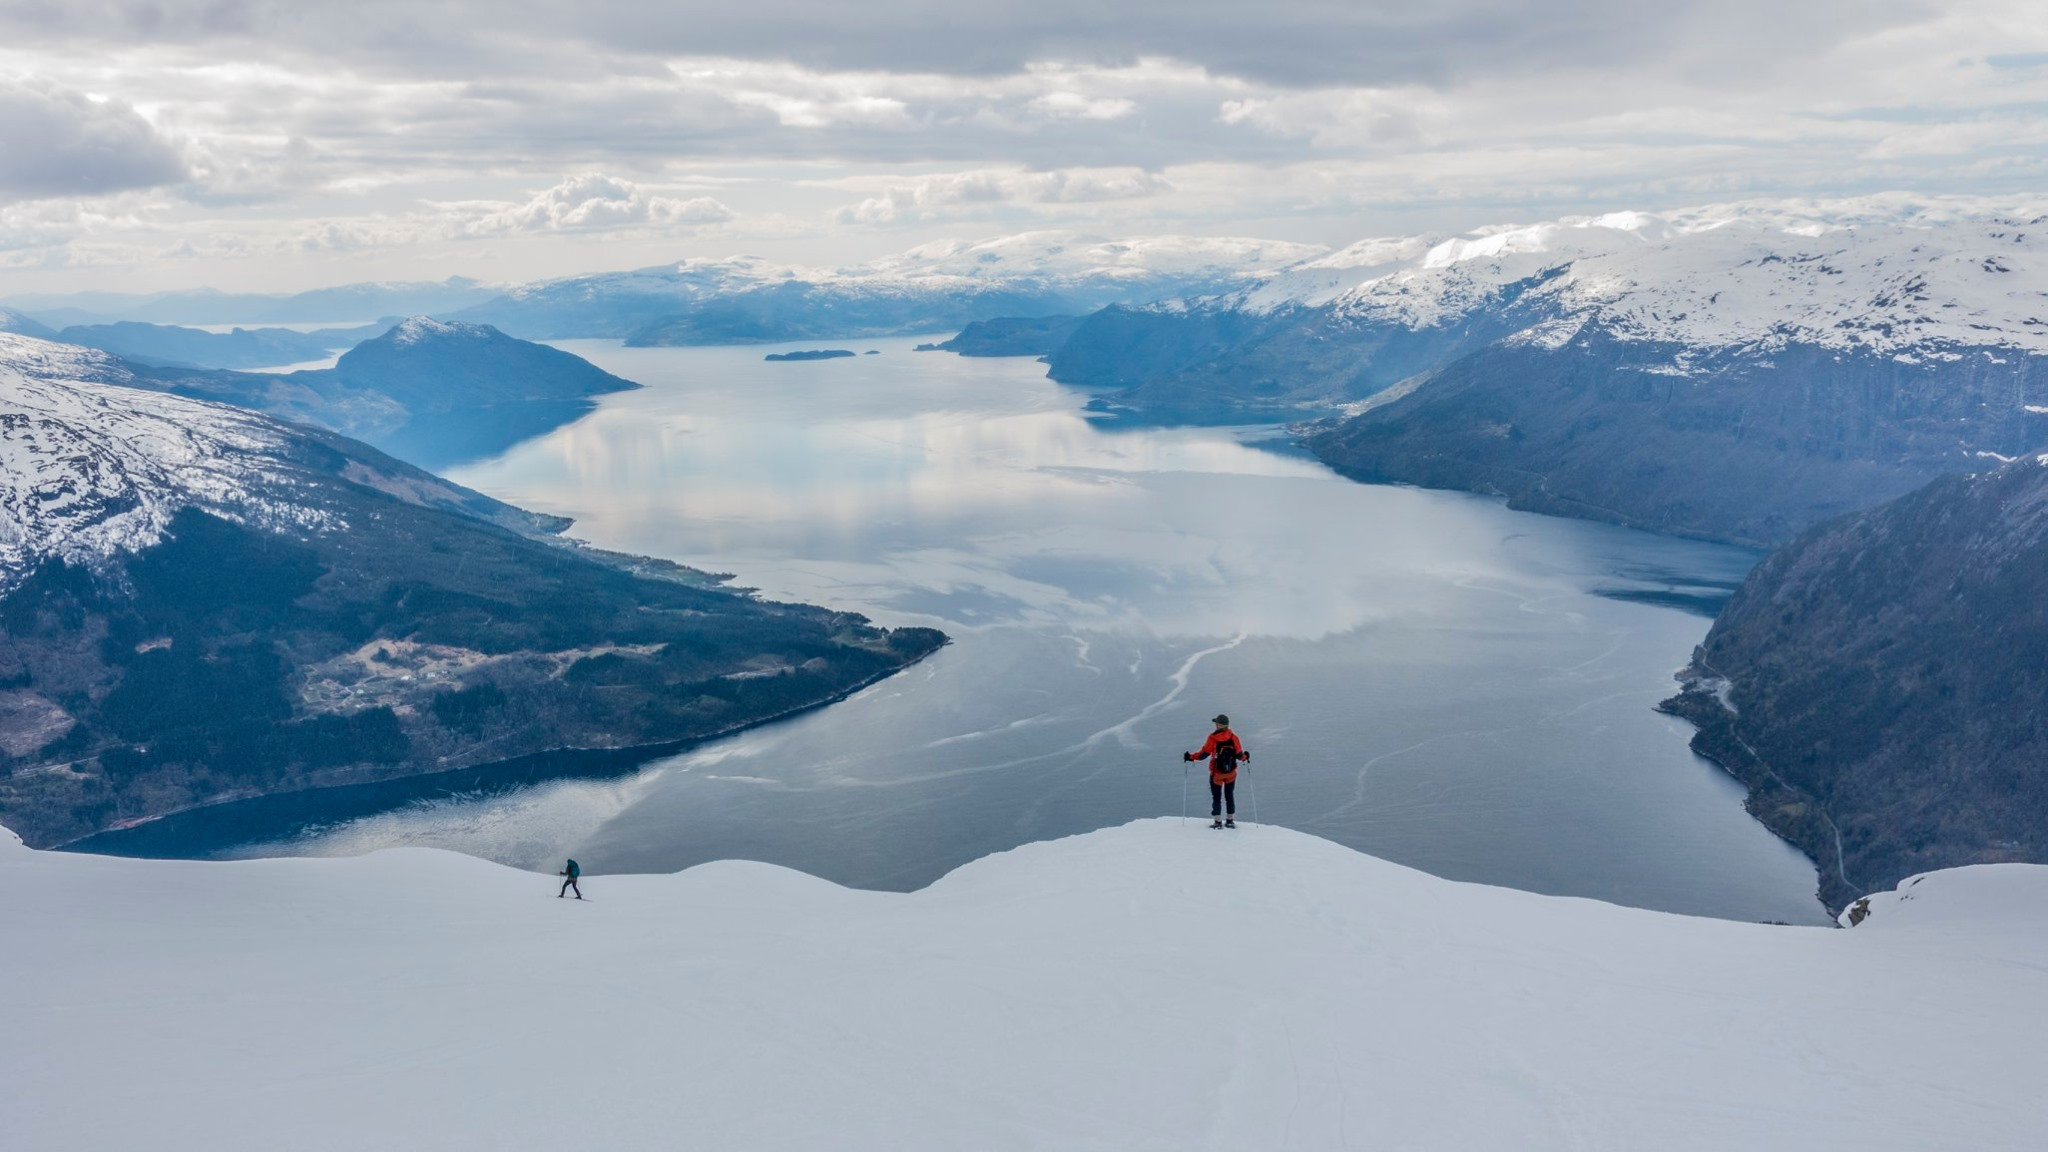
x: 810, y: 354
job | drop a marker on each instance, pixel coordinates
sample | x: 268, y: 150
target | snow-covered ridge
x: 1886, y: 274
x: 1155, y: 986
x: 415, y: 329
x: 90, y: 469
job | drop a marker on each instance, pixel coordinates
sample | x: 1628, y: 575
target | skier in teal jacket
x: 571, y: 872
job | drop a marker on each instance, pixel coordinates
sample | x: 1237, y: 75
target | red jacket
x: 1209, y: 749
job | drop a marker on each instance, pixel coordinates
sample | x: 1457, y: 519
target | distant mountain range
x: 1881, y: 684
x: 932, y: 288
x: 200, y: 603
x: 345, y: 304
x: 1739, y: 373
x: 169, y: 346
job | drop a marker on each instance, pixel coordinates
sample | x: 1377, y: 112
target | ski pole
x: 1184, y: 791
x: 1249, y: 779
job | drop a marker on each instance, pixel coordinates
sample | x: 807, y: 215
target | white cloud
x: 1290, y: 43
x: 594, y: 202
x: 1065, y: 105
x: 1332, y: 119
x: 360, y: 152
x: 57, y: 141
x: 937, y: 196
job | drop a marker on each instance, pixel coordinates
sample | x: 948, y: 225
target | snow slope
x: 1893, y: 274
x: 89, y: 468
x: 1155, y: 986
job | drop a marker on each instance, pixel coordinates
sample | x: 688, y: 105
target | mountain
x: 1881, y: 683
x: 1144, y: 987
x: 1737, y: 372
x: 20, y: 325
x: 200, y: 603
x: 1012, y: 336
x: 169, y: 346
x: 934, y: 287
x: 347, y: 303
x: 428, y: 391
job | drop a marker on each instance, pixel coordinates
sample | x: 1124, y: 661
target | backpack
x: 574, y: 871
x: 1226, y: 755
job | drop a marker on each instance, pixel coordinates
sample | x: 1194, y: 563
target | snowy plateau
x: 1154, y: 986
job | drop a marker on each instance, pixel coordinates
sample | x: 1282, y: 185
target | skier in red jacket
x: 1223, y: 751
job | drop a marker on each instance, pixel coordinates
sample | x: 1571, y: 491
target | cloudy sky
x: 256, y: 144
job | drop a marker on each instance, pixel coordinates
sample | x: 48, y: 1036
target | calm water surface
x: 1425, y: 676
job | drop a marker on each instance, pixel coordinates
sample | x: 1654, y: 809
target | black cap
x: 1221, y: 719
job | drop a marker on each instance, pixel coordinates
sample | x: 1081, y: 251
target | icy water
x: 1426, y: 676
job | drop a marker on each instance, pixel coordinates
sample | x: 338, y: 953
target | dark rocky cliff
x: 1881, y: 684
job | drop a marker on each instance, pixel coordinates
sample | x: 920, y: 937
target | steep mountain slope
x: 1738, y: 372
x: 1881, y: 683
x: 1143, y: 987
x: 199, y: 603
x: 930, y: 288
x: 432, y: 392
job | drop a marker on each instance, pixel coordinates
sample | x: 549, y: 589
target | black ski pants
x: 1222, y: 798
x: 569, y: 884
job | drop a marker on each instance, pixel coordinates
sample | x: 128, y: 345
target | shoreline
x: 1786, y: 812
x: 294, y: 812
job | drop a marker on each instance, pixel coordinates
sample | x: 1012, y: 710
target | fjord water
x: 1425, y: 676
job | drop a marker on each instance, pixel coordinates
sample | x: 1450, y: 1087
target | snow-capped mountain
x: 1737, y: 371
x: 20, y: 325
x: 939, y: 286
x: 89, y: 471
x: 1144, y: 987
x: 1883, y: 275
x: 92, y: 468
